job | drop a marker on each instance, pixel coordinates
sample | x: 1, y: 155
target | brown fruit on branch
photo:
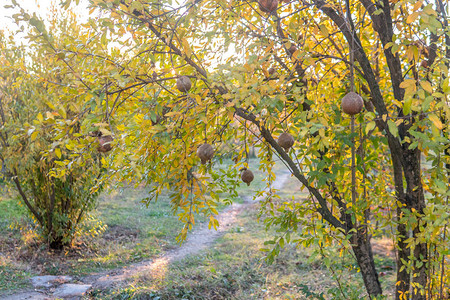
x: 424, y: 64
x: 205, y: 152
x: 184, y: 84
x: 268, y: 6
x: 292, y: 49
x: 104, y: 142
x: 247, y: 176
x: 352, y: 103
x: 286, y: 140
x: 271, y: 71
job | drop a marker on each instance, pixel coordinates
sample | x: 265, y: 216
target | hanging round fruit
x: 286, y: 141
x: 247, y: 176
x: 268, y: 6
x: 205, y: 152
x: 291, y: 50
x: 104, y: 142
x: 184, y: 84
x: 352, y: 103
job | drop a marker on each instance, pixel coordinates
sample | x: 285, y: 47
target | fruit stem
x: 206, y: 121
x: 353, y: 163
x: 245, y: 144
x: 351, y: 46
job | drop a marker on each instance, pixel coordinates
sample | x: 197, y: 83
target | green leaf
x: 371, y: 125
x: 38, y: 24
x: 392, y: 128
x: 407, y: 106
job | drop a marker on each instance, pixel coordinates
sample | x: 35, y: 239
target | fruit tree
x: 273, y: 74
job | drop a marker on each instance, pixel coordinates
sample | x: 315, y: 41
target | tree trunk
x: 57, y: 243
x: 412, y: 200
x: 403, y: 277
x: 415, y: 200
x: 363, y: 253
x: 420, y: 278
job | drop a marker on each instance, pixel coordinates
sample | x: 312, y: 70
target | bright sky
x: 40, y: 7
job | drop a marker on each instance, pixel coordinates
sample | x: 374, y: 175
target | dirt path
x: 52, y: 287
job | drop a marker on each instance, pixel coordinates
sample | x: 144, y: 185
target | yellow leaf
x: 34, y: 136
x: 324, y: 30
x: 407, y: 83
x: 417, y: 5
x: 230, y: 115
x: 436, y: 121
x: 51, y: 105
x: 407, y: 105
x: 426, y: 85
x: 62, y: 112
x: 412, y: 17
x: 172, y: 113
x: 198, y: 99
x: 58, y: 152
x: 105, y: 131
x: 186, y: 47
x: 49, y: 115
x: 101, y: 124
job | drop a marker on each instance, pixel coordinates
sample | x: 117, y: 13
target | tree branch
x: 323, y: 209
x: 25, y: 199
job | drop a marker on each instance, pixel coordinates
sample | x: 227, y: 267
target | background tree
x: 261, y: 69
x: 46, y: 150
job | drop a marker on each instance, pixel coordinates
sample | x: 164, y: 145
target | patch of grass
x: 12, y: 278
x: 133, y: 232
x: 234, y: 268
x: 127, y: 231
x: 120, y: 231
x: 11, y: 211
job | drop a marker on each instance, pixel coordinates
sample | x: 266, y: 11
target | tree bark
x: 403, y: 277
x: 32, y: 209
x: 416, y: 201
x: 364, y: 256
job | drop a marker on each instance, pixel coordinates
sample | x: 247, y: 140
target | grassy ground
x: 121, y: 230
x: 13, y: 274
x: 124, y: 231
x: 234, y: 268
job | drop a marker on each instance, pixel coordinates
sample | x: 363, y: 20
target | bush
x: 46, y: 152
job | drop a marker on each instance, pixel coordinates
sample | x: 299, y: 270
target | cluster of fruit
x: 352, y: 104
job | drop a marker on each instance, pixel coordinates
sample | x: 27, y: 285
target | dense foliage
x: 261, y: 69
x: 44, y: 154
